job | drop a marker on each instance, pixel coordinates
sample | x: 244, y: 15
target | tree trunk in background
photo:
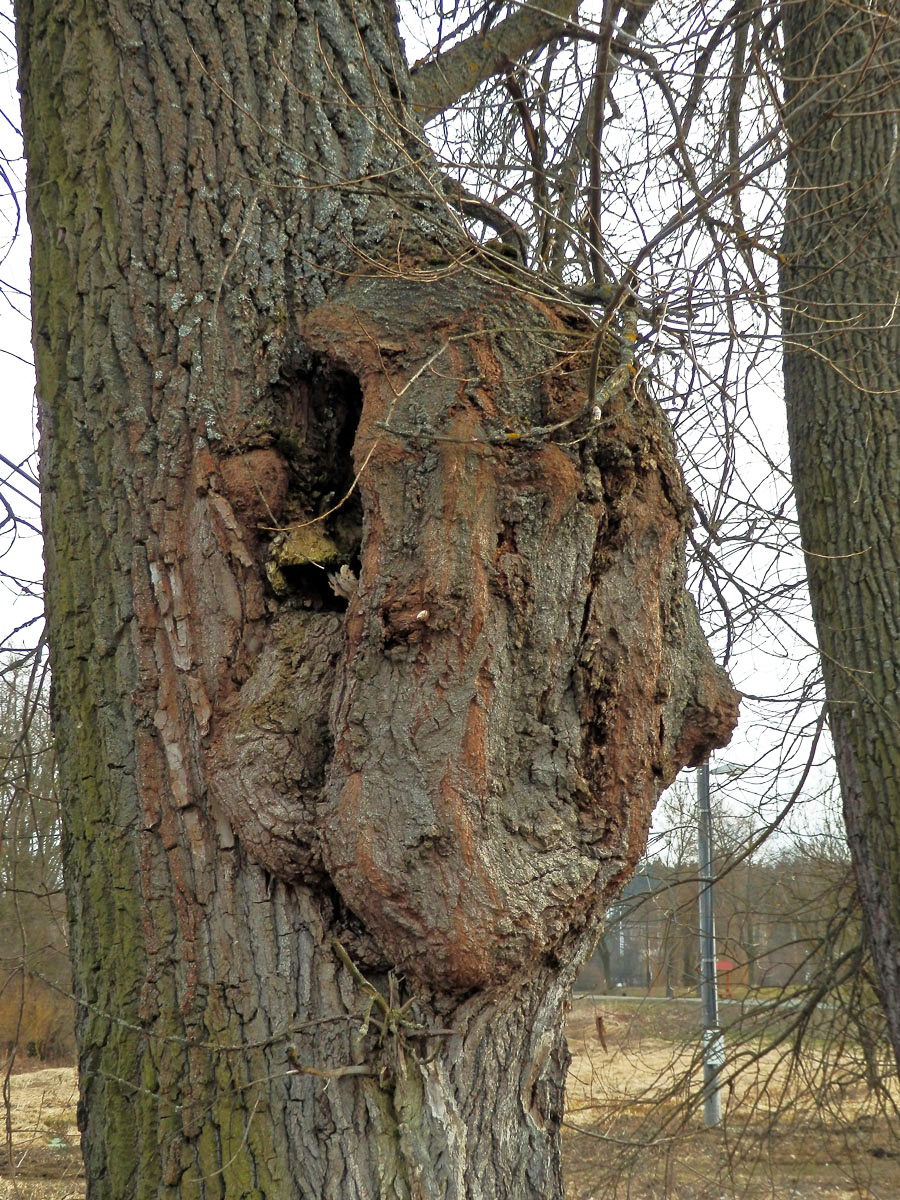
x: 437, y: 777
x: 840, y: 289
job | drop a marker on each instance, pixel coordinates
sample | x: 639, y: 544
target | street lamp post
x: 713, y: 1041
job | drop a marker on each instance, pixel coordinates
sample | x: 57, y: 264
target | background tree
x: 840, y: 288
x: 785, y: 909
x: 335, y: 845
x: 35, y: 1014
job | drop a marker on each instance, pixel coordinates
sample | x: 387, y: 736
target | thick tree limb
x: 442, y: 81
x: 470, y: 205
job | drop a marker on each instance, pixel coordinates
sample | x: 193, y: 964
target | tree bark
x: 346, y: 795
x: 840, y: 288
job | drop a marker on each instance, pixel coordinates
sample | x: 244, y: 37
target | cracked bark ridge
x: 523, y: 670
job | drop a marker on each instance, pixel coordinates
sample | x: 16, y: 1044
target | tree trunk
x: 840, y: 291
x: 345, y: 798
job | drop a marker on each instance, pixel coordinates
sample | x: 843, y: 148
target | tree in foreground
x: 370, y: 644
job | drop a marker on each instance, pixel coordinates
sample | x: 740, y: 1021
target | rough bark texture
x: 842, y: 372
x: 244, y: 297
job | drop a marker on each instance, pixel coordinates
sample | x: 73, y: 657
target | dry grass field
x: 46, y: 1161
x: 795, y: 1127
x: 793, y: 1130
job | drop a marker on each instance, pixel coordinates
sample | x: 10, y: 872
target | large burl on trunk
x: 518, y: 671
x: 364, y: 688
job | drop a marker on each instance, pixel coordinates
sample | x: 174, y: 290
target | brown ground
x: 46, y: 1159
x: 794, y: 1128
x: 791, y: 1132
